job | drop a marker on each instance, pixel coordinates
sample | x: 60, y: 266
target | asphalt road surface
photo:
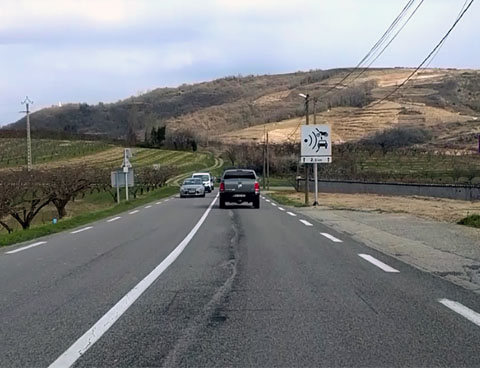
x: 184, y: 283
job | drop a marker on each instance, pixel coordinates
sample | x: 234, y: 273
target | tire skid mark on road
x: 378, y: 263
x: 465, y: 312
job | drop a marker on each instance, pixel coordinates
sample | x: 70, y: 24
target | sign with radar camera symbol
x: 316, y: 141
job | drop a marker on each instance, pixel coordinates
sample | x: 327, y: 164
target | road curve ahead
x: 184, y: 283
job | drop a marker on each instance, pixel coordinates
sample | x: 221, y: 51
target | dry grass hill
x: 234, y: 109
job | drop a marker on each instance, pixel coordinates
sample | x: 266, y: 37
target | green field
x: 13, y: 150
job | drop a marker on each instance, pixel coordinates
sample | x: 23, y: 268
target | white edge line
x: 267, y: 200
x: 114, y: 219
x: 291, y: 214
x: 158, y: 202
x: 281, y: 209
x: 148, y: 206
x: 26, y: 247
x: 469, y: 314
x: 378, y: 263
x: 332, y: 238
x: 274, y: 204
x: 305, y: 222
x: 133, y: 212
x: 80, y: 230
x: 86, y: 341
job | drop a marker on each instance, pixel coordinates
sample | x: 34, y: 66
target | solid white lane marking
x: 469, y: 314
x: 331, y: 237
x: 86, y: 341
x: 274, y: 204
x: 133, y: 212
x: 281, y: 209
x: 148, y: 206
x: 114, y: 219
x: 268, y: 200
x: 158, y: 202
x: 80, y: 230
x: 291, y: 214
x: 378, y: 263
x: 26, y: 247
x: 306, y: 223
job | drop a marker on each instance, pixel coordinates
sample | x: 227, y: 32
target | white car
x: 206, y: 179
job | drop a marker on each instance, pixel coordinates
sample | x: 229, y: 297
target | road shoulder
x: 444, y: 249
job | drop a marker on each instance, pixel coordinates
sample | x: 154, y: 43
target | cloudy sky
x: 106, y: 50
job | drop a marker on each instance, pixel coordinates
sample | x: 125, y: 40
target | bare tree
x: 64, y: 183
x: 26, y: 195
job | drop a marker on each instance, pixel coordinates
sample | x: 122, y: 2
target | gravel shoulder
x: 417, y: 230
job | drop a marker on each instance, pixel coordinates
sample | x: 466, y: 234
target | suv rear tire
x: 222, y: 202
x: 256, y: 202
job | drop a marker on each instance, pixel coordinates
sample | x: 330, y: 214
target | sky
x: 105, y: 50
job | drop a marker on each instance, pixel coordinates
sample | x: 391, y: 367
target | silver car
x: 192, y: 187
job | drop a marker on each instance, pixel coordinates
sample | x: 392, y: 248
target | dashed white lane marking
x: 274, y: 204
x: 378, y: 263
x: 268, y: 200
x: 331, y: 237
x: 148, y: 206
x: 291, y: 214
x: 469, y: 314
x: 166, y: 200
x: 133, y: 212
x: 281, y: 209
x: 26, y: 247
x: 306, y: 223
x: 89, y: 338
x: 80, y: 230
x: 158, y: 202
x: 114, y: 219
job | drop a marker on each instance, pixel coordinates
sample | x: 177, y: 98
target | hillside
x: 447, y: 101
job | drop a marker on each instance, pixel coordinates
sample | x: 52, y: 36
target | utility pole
x: 307, y: 99
x: 27, y: 103
x: 315, y: 165
x: 268, y: 165
x: 264, y: 157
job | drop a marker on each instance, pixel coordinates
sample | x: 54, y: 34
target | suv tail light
x: 257, y: 187
x: 222, y: 187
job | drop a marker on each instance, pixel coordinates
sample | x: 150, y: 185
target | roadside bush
x: 397, y: 137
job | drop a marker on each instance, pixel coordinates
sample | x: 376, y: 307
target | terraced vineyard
x: 13, y: 150
x: 53, y: 153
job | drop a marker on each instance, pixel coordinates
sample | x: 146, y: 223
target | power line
x: 428, y: 56
x: 436, y: 53
x: 388, y: 44
x: 374, y: 47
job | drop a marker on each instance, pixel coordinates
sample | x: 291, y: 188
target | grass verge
x: 84, y: 218
x: 472, y: 221
x: 281, y: 197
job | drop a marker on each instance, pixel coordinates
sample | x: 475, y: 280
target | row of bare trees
x: 23, y: 194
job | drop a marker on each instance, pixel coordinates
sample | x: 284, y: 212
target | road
x: 184, y: 283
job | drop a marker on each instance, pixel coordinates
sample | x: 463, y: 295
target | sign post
x: 127, y: 153
x: 316, y: 147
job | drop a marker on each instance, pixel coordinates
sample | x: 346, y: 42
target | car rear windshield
x: 239, y: 174
x: 192, y: 181
x: 203, y: 177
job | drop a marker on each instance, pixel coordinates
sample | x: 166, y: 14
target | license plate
x: 239, y: 195
x: 191, y: 191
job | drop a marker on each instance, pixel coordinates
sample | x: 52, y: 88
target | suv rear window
x: 239, y: 174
